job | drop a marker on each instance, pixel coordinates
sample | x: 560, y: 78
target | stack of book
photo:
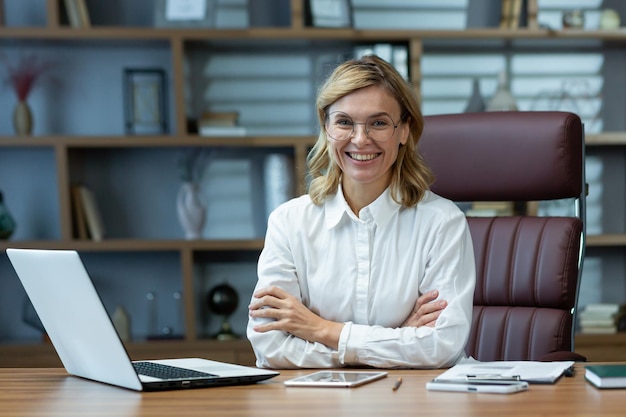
x: 220, y: 124
x: 601, y: 318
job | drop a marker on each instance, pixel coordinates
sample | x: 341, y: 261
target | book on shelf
x: 601, y: 309
x: 83, y: 13
x: 600, y: 318
x: 511, y: 14
x: 80, y: 222
x: 222, y: 131
x: 598, y: 329
x: 77, y: 13
x: 211, y: 118
x: 87, y: 216
x: 606, y: 375
x: 220, y: 124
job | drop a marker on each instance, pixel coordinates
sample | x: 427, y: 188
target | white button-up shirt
x: 368, y: 272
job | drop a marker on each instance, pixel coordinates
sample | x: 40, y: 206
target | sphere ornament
x: 223, y: 300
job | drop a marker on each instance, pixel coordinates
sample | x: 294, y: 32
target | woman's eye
x: 343, y: 122
x: 379, y: 123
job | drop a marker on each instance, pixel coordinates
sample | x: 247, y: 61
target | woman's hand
x: 426, y: 310
x: 291, y: 316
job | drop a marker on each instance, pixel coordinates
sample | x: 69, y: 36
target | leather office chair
x: 528, y: 267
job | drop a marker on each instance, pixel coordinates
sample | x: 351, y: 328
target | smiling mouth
x: 363, y: 157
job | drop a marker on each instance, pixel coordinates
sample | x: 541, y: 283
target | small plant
x: 23, y: 76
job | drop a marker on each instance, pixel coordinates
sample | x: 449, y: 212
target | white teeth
x: 361, y: 157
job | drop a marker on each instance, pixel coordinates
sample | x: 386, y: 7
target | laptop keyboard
x: 157, y: 370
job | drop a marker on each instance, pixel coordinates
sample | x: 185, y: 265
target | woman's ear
x: 404, y: 132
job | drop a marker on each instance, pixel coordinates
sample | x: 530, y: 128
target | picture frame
x: 329, y: 13
x: 145, y: 101
x: 185, y: 13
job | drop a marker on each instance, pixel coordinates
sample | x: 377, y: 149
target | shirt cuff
x: 345, y: 356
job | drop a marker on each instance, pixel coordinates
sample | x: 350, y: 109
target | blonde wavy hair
x: 410, y: 175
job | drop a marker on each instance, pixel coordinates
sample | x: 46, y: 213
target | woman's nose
x: 359, y: 134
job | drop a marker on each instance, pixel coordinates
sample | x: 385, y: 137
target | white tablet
x: 490, y: 386
x: 345, y: 379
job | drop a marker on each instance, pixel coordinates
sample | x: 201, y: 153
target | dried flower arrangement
x: 23, y: 76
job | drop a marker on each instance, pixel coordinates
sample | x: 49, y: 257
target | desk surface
x: 51, y: 392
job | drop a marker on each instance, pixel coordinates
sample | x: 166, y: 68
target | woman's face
x: 365, y: 161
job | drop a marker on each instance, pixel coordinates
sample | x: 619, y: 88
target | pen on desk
x: 397, y: 384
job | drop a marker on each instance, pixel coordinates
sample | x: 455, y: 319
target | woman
x: 350, y: 272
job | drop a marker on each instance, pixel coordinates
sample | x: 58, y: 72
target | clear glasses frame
x: 339, y: 126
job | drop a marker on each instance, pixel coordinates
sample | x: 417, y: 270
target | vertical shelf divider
x: 178, y: 77
x: 189, y: 301
x: 63, y: 184
x: 297, y: 14
x: 416, y: 50
x: 53, y: 9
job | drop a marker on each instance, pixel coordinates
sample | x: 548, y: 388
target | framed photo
x: 330, y: 13
x: 185, y: 13
x: 145, y: 101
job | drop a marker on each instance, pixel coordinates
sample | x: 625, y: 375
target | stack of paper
x: 529, y: 371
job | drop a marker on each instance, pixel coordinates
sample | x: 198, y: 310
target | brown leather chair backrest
x: 527, y: 267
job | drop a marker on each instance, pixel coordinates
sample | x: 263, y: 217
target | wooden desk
x: 50, y: 392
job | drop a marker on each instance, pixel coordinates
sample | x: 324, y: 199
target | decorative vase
x: 475, y: 103
x: 191, y: 210
x: 7, y: 224
x: 502, y: 100
x: 278, y: 180
x: 22, y: 119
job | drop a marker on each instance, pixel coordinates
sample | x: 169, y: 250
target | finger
x: 267, y: 300
x: 428, y: 319
x: 432, y: 307
x: 273, y: 291
x: 266, y: 327
x: 275, y: 313
x: 426, y: 298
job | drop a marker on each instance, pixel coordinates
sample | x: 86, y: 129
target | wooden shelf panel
x: 606, y: 139
x: 594, y: 347
x: 44, y: 355
x: 601, y: 139
x: 155, y: 141
x: 114, y: 245
x: 606, y: 240
x: 601, y: 347
x: 287, y: 33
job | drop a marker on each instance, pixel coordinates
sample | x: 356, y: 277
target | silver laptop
x: 85, y: 339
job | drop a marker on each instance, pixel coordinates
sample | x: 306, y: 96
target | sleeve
x: 278, y: 349
x: 451, y: 270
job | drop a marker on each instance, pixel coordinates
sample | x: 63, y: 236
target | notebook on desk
x: 86, y: 341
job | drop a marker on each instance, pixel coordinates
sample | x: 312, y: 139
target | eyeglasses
x: 340, y: 127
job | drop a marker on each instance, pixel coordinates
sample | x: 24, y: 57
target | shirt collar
x: 380, y: 210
